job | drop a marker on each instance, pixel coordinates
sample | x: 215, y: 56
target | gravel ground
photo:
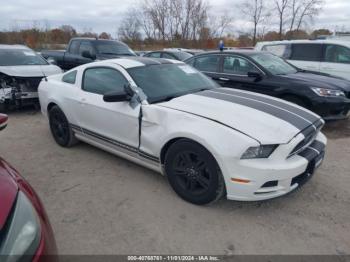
x: 101, y: 204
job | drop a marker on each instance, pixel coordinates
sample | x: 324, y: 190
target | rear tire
x: 60, y: 128
x: 193, y: 173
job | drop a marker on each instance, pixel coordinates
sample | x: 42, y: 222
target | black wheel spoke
x: 203, y: 181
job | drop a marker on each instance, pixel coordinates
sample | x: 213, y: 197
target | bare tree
x: 281, y: 7
x: 308, y: 10
x: 219, y: 25
x: 130, y: 26
x: 255, y: 11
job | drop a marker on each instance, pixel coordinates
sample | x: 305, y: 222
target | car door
x: 85, y: 46
x: 209, y: 65
x: 234, y: 74
x: 115, y: 122
x: 336, y: 61
x: 72, y: 55
x: 307, y: 56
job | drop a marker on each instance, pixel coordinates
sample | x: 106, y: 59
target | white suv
x: 326, y: 56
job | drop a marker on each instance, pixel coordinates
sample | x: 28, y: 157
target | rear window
x: 113, y: 48
x: 70, y: 77
x: 279, y: 50
x: 207, y: 63
x: 307, y: 52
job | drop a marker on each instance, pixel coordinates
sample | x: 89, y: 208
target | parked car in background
x: 86, y: 50
x: 25, y: 230
x: 265, y: 73
x: 169, y: 54
x: 167, y: 116
x: 330, y: 56
x: 141, y: 53
x: 190, y: 51
x: 21, y: 70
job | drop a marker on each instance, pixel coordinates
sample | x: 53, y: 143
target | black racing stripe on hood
x: 303, y: 113
x: 281, y: 113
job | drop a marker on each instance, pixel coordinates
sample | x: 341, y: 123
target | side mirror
x: 88, y: 54
x: 51, y: 61
x: 3, y: 121
x: 116, y: 96
x: 255, y: 75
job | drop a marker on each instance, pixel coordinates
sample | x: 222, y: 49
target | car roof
x: 14, y: 47
x: 321, y: 41
x: 137, y: 61
x: 246, y: 52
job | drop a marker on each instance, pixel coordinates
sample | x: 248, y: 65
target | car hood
x: 316, y: 80
x: 263, y: 118
x: 8, y: 192
x: 30, y: 70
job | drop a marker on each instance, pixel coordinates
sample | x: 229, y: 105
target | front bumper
x: 270, y: 178
x: 332, y: 108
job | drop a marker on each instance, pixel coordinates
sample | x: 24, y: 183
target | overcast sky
x: 104, y: 15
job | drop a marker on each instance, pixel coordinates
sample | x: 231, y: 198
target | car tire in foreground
x: 193, y: 173
x: 60, y: 128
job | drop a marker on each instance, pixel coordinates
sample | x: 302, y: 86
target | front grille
x: 303, y: 144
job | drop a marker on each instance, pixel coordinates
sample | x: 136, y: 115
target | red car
x: 25, y: 230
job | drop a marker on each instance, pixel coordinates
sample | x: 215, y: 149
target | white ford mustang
x: 167, y: 116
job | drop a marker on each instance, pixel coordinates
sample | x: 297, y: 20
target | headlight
x: 327, y: 92
x: 263, y: 151
x: 22, y: 236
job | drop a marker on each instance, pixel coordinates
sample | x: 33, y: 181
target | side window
x: 86, y: 46
x: 168, y: 56
x: 278, y: 50
x: 191, y: 62
x: 155, y: 55
x: 70, y: 77
x: 100, y: 80
x: 74, y: 47
x: 337, y: 54
x: 238, y: 66
x: 207, y: 63
x: 307, y: 52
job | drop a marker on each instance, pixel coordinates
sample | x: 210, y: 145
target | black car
x: 82, y: 50
x: 265, y: 73
x: 169, y: 54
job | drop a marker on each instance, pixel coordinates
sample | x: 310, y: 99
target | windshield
x: 167, y: 81
x: 274, y: 64
x: 20, y: 57
x: 113, y: 48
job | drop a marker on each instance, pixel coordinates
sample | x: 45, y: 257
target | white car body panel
x: 337, y: 69
x: 225, y: 128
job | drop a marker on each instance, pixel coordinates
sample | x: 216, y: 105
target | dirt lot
x: 101, y: 204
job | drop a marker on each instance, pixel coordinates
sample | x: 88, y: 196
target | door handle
x: 224, y: 79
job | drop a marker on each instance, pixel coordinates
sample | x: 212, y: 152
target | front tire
x: 193, y: 173
x: 60, y: 128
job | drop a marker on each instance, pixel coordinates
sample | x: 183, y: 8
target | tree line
x: 155, y: 24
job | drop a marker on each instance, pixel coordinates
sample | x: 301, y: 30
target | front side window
x: 166, y: 81
x: 274, y: 64
x: 207, y: 63
x: 337, y: 54
x: 20, y: 57
x: 238, y: 66
x: 70, y: 77
x: 307, y: 52
x: 100, y: 80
